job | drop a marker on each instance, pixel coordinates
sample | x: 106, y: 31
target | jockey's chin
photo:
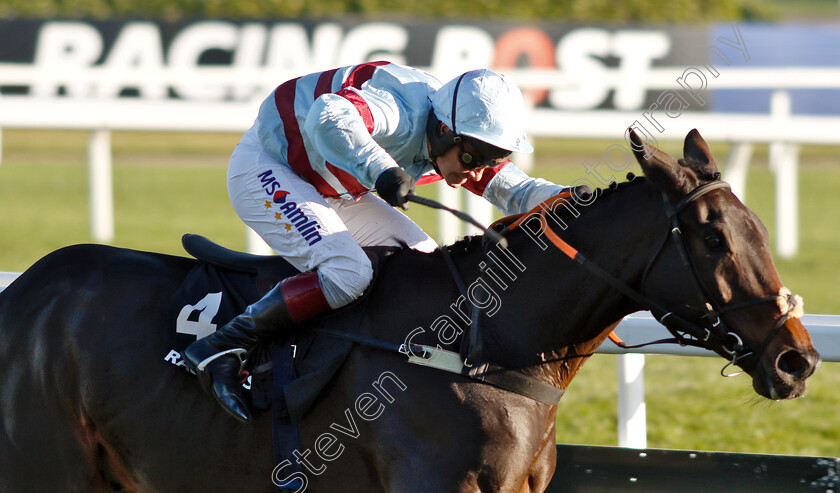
x: 458, y: 178
x: 455, y: 183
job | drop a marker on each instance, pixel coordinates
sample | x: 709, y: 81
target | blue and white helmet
x: 487, y: 106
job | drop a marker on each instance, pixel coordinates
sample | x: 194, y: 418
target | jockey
x: 301, y: 177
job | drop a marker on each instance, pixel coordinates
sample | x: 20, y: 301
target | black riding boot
x: 217, y: 358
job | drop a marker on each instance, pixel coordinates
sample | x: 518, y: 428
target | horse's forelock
x: 704, y: 170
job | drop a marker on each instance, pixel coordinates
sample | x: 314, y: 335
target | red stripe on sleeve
x: 324, y: 84
x: 429, y: 178
x: 347, y: 180
x: 358, y: 76
x: 284, y: 100
x: 477, y: 187
x: 361, y: 106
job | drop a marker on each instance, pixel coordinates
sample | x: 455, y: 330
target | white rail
x: 780, y: 129
x: 641, y: 327
x: 6, y: 278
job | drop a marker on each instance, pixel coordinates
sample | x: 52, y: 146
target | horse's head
x: 716, y: 272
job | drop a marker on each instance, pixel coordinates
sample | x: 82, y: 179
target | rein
x: 468, y: 362
x: 685, y: 333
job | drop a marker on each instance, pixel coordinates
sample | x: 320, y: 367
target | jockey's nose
x: 476, y: 174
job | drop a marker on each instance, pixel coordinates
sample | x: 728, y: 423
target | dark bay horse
x: 88, y: 405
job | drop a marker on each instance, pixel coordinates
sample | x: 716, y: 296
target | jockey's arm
x: 511, y: 190
x: 338, y: 132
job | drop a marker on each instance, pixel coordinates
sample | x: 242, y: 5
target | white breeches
x: 311, y: 231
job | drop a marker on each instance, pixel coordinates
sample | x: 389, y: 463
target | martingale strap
x: 451, y: 362
x: 495, y: 375
x: 471, y: 344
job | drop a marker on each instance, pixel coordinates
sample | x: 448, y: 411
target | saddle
x: 222, y: 284
x: 268, y: 269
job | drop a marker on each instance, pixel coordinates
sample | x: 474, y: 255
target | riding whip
x: 493, y: 235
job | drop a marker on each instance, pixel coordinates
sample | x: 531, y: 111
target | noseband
x: 708, y: 331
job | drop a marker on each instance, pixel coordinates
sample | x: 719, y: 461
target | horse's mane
x: 469, y: 244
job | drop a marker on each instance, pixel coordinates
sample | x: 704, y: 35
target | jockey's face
x: 453, y: 170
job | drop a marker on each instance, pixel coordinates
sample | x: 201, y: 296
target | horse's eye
x: 714, y: 241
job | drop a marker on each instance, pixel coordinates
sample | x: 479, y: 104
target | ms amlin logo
x: 308, y: 228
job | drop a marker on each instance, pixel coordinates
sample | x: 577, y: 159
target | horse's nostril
x: 794, y: 364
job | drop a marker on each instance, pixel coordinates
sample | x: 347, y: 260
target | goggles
x: 473, y: 160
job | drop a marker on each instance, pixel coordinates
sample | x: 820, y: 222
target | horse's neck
x: 557, y: 309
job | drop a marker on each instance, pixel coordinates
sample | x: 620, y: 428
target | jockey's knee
x: 343, y: 279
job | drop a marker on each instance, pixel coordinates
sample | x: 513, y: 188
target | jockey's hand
x: 394, y: 185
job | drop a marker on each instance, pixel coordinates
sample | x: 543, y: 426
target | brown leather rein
x: 710, y: 331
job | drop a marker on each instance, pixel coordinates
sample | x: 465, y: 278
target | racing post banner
x: 559, y: 66
x: 223, y: 60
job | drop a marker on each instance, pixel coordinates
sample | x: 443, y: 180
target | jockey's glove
x: 394, y: 186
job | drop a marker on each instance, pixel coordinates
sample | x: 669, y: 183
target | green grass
x: 169, y: 184
x: 804, y: 10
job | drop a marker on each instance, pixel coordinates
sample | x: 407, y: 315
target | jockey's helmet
x: 487, y: 106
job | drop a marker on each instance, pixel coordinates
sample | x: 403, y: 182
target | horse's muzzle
x: 786, y: 378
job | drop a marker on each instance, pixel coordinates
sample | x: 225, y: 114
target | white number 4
x: 204, y: 326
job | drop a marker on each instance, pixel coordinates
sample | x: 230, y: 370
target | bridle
x: 709, y: 330
x: 713, y: 332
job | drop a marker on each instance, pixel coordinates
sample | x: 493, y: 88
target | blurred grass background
x: 167, y: 184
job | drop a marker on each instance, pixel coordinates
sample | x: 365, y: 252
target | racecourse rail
x: 641, y: 327
x: 780, y: 129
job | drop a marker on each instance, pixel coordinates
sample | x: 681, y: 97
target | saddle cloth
x: 286, y: 375
x: 220, y: 286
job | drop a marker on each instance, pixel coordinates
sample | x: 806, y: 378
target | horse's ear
x: 698, y: 158
x: 663, y: 170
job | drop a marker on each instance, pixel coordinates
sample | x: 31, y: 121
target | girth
x: 468, y: 362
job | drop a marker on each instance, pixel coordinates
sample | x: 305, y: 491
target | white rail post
x: 525, y: 161
x: 480, y: 210
x: 783, y: 158
x: 101, y: 186
x: 735, y: 170
x: 449, y: 226
x: 632, y: 413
